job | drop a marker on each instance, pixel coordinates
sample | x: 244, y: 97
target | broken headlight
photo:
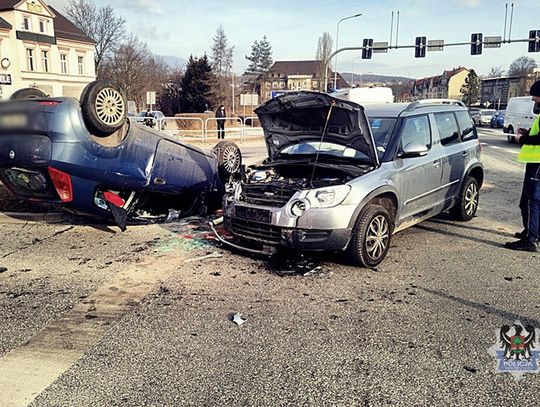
x: 328, y: 197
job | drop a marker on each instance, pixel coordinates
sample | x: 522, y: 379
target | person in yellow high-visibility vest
x: 530, y: 196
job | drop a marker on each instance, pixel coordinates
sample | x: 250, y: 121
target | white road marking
x: 32, y: 367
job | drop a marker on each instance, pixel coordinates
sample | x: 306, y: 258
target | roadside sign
x: 492, y: 42
x: 150, y: 98
x: 380, y: 47
x: 435, y: 45
x: 5, y: 79
x: 250, y: 99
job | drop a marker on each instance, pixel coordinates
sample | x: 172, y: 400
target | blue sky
x: 181, y: 28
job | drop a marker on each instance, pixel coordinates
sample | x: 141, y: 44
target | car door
x: 453, y: 153
x: 419, y: 177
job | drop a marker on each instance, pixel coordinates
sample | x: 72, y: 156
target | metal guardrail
x: 169, y: 125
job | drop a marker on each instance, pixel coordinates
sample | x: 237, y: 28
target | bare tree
x: 324, y: 47
x: 222, y: 54
x: 136, y: 70
x: 101, y: 24
x: 522, y: 66
x: 495, y: 72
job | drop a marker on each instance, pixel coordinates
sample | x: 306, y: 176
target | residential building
x: 40, y: 48
x: 296, y: 75
x: 495, y: 92
x: 445, y: 86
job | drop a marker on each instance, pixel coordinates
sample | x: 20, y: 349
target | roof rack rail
x: 430, y: 102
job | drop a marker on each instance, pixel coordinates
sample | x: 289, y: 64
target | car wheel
x: 371, y: 236
x: 28, y: 93
x: 103, y: 106
x: 510, y: 136
x: 229, y: 158
x: 467, y: 203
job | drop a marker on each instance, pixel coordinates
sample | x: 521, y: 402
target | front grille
x: 264, y: 195
x: 254, y: 230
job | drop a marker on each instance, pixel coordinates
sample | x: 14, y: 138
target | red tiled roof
x: 8, y: 4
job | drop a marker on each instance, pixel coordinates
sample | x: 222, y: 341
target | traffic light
x: 476, y: 43
x: 367, y: 51
x: 420, y: 48
x: 534, y: 41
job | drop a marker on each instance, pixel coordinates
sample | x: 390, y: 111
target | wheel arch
x: 477, y: 172
x: 386, y: 196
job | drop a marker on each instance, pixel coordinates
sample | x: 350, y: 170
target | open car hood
x: 301, y: 116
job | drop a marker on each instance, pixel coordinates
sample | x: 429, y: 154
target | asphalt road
x: 92, y: 316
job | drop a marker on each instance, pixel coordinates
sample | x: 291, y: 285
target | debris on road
x: 173, y: 215
x: 237, y: 318
x: 3, y: 269
x: 214, y: 255
x: 286, y: 264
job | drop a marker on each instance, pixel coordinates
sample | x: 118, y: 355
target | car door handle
x: 437, y: 163
x: 465, y: 153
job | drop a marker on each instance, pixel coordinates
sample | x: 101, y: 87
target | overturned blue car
x: 87, y: 157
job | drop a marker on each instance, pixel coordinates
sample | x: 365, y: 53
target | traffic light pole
x: 454, y: 44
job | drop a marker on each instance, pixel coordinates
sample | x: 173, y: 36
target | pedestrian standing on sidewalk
x: 530, y: 196
x: 220, y: 120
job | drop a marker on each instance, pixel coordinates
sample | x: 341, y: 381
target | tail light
x: 62, y: 184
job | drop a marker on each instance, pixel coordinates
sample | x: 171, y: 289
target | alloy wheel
x: 377, y: 237
x: 231, y: 159
x: 110, y: 106
x: 471, y: 199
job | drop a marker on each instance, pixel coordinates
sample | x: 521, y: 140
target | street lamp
x: 337, y: 44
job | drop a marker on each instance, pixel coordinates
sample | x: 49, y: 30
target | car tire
x: 467, y: 204
x: 229, y: 159
x: 510, y: 135
x: 104, y: 107
x: 374, y: 222
x: 28, y: 93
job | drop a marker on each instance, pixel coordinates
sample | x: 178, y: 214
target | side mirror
x: 413, y: 150
x: 536, y: 108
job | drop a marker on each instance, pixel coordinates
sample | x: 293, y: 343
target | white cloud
x: 470, y: 3
x: 140, y: 6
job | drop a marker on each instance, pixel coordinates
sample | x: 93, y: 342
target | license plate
x: 258, y: 215
x: 13, y: 120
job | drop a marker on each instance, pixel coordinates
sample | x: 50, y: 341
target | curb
x: 25, y: 217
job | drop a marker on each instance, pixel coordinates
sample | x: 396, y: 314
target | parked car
x: 336, y: 180
x: 87, y: 157
x: 519, y: 114
x: 152, y: 119
x: 483, y: 117
x: 497, y: 120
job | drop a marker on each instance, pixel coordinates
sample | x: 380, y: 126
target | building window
x: 80, y: 61
x: 30, y: 59
x: 42, y: 26
x: 63, y: 63
x: 26, y: 23
x: 45, y: 60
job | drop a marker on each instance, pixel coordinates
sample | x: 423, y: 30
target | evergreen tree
x: 197, y: 84
x: 222, y: 54
x: 470, y: 88
x: 266, y: 60
x: 254, y: 59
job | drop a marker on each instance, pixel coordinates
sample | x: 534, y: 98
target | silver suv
x: 336, y: 180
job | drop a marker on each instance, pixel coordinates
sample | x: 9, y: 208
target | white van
x: 519, y: 113
x: 366, y: 96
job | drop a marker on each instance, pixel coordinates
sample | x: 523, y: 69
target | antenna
x: 511, y: 19
x: 391, y: 28
x: 397, y: 29
x: 505, y: 19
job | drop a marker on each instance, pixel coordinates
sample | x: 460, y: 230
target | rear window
x: 468, y: 131
x: 448, y: 129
